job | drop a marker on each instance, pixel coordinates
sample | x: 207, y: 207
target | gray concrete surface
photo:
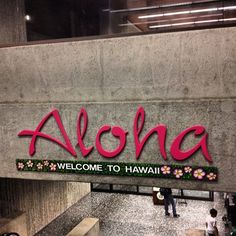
x: 87, y: 227
x: 12, y: 22
x: 192, y: 64
x: 135, y: 215
x: 181, y: 79
x: 14, y: 223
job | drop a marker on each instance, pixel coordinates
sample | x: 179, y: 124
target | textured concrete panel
x: 87, y: 227
x: 217, y: 116
x: 14, y: 223
x: 42, y: 201
x: 181, y: 79
x: 12, y: 22
x: 194, y: 64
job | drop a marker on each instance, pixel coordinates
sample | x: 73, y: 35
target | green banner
x: 177, y: 172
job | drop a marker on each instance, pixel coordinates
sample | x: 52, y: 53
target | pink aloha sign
x: 121, y: 134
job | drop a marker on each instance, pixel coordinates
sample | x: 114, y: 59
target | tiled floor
x: 134, y: 215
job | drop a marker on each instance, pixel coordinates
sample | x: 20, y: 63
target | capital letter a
x: 36, y: 133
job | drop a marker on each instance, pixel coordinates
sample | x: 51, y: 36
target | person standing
x: 168, y: 199
x: 211, y: 227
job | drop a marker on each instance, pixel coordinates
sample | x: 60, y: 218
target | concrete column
x: 41, y: 200
x: 12, y: 22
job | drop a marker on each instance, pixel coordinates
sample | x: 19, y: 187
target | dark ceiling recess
x: 55, y: 19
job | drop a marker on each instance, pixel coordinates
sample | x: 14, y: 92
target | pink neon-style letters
x: 160, y: 130
x: 36, y: 133
x: 180, y: 155
x: 83, y: 114
x: 116, y: 132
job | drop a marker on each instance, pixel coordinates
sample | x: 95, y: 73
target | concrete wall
x: 14, y: 223
x: 12, y: 22
x: 41, y: 200
x: 87, y: 227
x: 181, y: 79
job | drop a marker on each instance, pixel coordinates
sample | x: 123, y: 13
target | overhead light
x: 27, y: 17
x: 206, y: 21
x: 176, y: 4
x: 227, y: 8
x: 154, y: 7
x: 150, y: 16
x: 168, y: 25
x: 204, y: 10
x: 192, y: 22
x: 159, y: 26
x: 183, y: 23
x: 188, y: 12
x: 167, y: 20
x: 176, y: 13
x: 227, y: 19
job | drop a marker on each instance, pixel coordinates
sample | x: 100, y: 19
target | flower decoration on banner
x: 46, y: 163
x: 199, y: 173
x: 211, y: 176
x: 188, y: 169
x: 53, y: 167
x: 40, y: 166
x: 165, y: 170
x: 178, y: 173
x: 20, y: 165
x: 30, y: 164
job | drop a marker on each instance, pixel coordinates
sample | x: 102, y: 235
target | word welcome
x: 120, y: 134
x: 120, y: 169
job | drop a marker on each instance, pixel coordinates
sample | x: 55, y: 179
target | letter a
x: 180, y: 155
x: 35, y: 134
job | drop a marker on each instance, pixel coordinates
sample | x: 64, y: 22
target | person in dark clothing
x: 168, y: 199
